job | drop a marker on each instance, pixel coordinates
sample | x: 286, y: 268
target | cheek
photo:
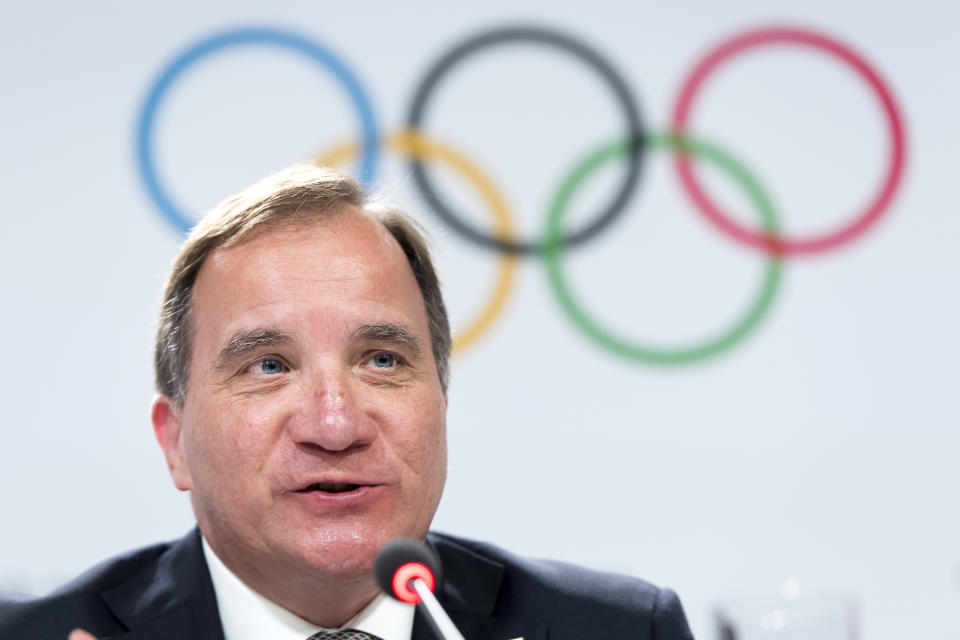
x: 236, y: 436
x: 421, y: 441
x: 442, y: 462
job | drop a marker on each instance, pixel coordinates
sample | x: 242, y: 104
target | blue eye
x: 271, y: 366
x: 383, y: 360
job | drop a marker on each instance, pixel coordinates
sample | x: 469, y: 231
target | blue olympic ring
x: 235, y: 38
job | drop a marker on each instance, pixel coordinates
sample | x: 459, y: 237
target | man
x: 302, y: 363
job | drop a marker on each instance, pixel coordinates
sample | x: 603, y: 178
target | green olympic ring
x: 553, y: 250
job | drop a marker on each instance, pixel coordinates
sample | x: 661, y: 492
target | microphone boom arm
x: 441, y: 622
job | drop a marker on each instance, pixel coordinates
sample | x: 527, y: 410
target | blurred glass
x: 790, y: 615
x: 21, y: 585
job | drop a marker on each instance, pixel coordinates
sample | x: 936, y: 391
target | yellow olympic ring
x: 418, y: 146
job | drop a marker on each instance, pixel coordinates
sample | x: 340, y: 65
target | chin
x: 343, y: 555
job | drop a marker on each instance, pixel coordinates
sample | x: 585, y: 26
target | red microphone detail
x: 407, y: 572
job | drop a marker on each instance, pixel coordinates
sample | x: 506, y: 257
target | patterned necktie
x: 346, y: 634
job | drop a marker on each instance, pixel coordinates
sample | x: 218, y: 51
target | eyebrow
x: 246, y: 342
x: 391, y: 333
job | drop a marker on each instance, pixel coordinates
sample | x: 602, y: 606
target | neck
x: 321, y: 600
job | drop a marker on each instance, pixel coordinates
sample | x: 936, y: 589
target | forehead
x: 347, y: 263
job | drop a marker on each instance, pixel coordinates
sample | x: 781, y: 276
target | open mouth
x: 332, y: 487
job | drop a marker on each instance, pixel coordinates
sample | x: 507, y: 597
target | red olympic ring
x: 779, y: 244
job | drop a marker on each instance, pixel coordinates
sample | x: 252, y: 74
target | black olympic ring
x: 538, y: 35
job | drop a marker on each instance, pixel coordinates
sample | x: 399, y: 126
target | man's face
x: 313, y: 429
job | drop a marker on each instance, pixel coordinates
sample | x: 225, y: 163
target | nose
x: 332, y: 419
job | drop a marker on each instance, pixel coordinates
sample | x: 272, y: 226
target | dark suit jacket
x: 164, y: 592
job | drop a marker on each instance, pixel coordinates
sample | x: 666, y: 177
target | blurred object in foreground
x: 28, y: 584
x: 788, y: 616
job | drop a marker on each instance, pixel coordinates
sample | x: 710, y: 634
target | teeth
x: 332, y: 487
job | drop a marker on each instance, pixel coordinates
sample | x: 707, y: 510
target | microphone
x: 409, y: 571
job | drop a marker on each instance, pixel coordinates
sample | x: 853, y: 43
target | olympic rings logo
x: 414, y: 142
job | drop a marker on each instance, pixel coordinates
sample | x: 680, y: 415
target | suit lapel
x: 470, y: 593
x: 171, y: 598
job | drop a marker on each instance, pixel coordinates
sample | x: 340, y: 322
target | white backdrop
x: 822, y: 447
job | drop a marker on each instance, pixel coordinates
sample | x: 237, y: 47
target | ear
x: 168, y: 429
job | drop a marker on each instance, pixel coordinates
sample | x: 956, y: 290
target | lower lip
x: 359, y: 497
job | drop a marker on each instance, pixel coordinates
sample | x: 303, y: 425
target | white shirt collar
x: 246, y: 615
